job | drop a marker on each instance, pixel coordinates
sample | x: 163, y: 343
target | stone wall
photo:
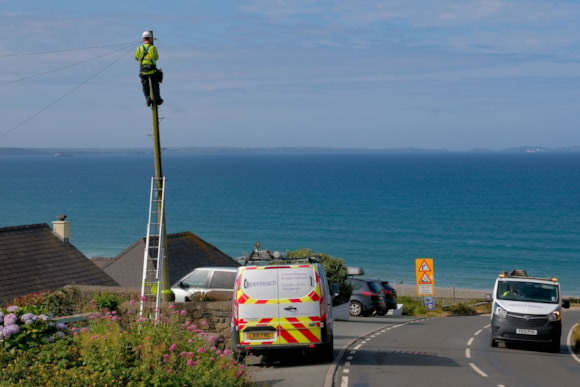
x: 211, y: 316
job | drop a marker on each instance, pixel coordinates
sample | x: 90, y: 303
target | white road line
x: 478, y: 332
x: 344, y: 381
x: 470, y: 341
x: 478, y: 370
x: 569, y: 342
x: 468, y: 353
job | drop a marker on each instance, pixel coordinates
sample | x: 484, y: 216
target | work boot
x: 148, y: 102
x: 159, y: 102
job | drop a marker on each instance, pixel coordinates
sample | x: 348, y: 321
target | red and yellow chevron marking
x: 293, y: 330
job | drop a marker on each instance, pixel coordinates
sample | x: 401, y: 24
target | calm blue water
x: 474, y: 214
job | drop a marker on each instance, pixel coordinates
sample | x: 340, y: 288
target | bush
x: 107, y: 301
x: 461, y: 308
x: 412, y: 306
x: 335, y: 269
x: 126, y: 350
x: 63, y: 302
x: 27, y: 327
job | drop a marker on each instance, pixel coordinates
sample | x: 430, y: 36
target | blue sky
x: 268, y: 73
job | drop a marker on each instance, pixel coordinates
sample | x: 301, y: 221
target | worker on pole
x: 147, y: 55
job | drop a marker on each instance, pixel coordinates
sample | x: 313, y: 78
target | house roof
x: 185, y: 251
x: 34, y: 259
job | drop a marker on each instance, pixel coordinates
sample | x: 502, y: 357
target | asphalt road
x: 296, y: 369
x: 405, y: 351
x: 454, y: 351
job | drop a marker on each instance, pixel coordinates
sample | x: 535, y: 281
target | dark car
x: 390, y: 295
x: 367, y: 298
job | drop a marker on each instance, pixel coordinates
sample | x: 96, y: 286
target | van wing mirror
x: 565, y: 304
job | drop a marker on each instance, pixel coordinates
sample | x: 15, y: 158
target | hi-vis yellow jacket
x: 147, y: 55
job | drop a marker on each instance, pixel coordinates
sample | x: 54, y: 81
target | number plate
x: 532, y: 332
x: 260, y: 335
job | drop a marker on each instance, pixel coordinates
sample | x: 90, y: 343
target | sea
x: 475, y: 214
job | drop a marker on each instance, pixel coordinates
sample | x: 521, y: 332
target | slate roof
x: 33, y: 259
x: 185, y: 251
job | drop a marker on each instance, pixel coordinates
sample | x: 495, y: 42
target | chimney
x: 61, y: 228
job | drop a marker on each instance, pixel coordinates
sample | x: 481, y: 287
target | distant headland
x: 68, y: 152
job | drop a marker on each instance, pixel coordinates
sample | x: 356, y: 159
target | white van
x: 526, y: 309
x: 277, y: 307
x: 206, y: 282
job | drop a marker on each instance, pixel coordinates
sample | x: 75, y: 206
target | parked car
x: 212, y: 282
x: 390, y: 295
x: 367, y: 298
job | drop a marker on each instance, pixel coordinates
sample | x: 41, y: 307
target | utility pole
x: 165, y: 285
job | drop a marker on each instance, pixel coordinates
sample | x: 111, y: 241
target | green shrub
x: 412, y: 306
x: 461, y: 308
x: 126, y: 350
x: 63, y: 302
x: 23, y: 328
x: 107, y: 301
x: 335, y: 269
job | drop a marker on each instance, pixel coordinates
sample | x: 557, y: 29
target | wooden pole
x: 165, y: 285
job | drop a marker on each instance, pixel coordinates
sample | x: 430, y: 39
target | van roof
x: 522, y: 275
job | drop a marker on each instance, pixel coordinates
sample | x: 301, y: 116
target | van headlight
x: 554, y: 316
x: 499, y: 311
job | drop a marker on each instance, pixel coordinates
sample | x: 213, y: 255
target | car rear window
x: 223, y: 280
x: 375, y: 287
x: 197, y: 279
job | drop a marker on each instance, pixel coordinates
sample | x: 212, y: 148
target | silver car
x: 216, y: 283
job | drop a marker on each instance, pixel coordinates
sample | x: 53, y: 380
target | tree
x: 336, y: 272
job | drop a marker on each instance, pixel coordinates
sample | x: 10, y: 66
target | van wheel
x: 240, y: 357
x: 555, y: 346
x: 356, y: 308
x: 325, y: 353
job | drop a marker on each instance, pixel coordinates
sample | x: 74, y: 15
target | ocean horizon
x: 475, y: 214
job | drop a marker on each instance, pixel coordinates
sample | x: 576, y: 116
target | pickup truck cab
x: 526, y: 309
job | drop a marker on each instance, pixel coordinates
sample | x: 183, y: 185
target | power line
x: 65, y: 50
x: 125, y: 52
x: 61, y: 68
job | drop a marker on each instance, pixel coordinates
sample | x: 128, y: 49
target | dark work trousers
x: 145, y: 79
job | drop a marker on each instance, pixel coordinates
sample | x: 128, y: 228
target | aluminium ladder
x: 153, y: 255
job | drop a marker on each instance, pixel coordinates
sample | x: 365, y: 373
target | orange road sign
x: 425, y: 275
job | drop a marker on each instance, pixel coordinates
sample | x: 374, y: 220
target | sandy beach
x: 446, y: 293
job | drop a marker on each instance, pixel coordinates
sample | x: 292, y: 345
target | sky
x: 433, y: 74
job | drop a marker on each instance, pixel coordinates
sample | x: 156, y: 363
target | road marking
x: 470, y: 341
x: 569, y: 342
x: 344, y: 380
x: 478, y: 370
x: 478, y: 332
x: 468, y: 353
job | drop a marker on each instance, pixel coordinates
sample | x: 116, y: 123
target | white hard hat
x: 146, y: 34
